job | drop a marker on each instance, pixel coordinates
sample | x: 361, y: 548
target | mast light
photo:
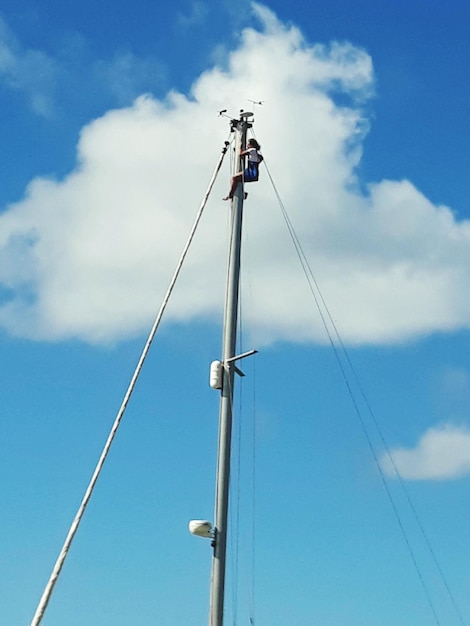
x: 201, y: 528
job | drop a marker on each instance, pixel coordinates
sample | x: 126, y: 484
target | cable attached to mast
x: 338, y: 350
x: 44, y: 601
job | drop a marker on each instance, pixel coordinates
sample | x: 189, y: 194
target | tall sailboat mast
x: 222, y: 378
x: 226, y: 397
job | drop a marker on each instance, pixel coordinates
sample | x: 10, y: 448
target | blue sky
x: 110, y: 134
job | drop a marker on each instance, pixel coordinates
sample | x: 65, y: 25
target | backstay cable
x: 44, y: 601
x: 328, y: 320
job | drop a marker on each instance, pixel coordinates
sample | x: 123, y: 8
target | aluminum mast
x: 216, y: 614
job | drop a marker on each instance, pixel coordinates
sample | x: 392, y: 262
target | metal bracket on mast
x: 237, y: 358
x: 244, y: 116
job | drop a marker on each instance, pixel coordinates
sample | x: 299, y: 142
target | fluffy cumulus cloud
x: 90, y: 256
x: 441, y: 454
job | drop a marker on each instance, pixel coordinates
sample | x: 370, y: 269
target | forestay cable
x: 44, y: 601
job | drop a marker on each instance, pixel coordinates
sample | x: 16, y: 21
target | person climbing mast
x: 251, y: 172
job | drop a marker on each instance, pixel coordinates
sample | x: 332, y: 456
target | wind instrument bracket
x: 237, y: 358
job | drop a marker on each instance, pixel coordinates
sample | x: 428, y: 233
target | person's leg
x: 235, y: 180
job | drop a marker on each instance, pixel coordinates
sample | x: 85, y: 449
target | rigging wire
x: 253, y: 500
x: 236, y: 511
x: 236, y: 472
x: 249, y: 437
x: 235, y: 485
x: 233, y: 536
x: 326, y: 321
x: 44, y: 601
x: 235, y: 519
x: 252, y: 447
x: 404, y: 489
x: 236, y: 499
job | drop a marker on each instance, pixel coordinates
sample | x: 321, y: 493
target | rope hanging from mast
x: 44, y: 601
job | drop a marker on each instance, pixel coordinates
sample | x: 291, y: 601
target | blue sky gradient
x: 109, y: 133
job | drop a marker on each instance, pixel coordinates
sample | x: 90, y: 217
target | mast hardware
x: 237, y: 358
x: 216, y: 369
x: 241, y: 356
x: 244, y: 116
x: 201, y: 528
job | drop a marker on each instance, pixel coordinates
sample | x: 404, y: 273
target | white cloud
x: 91, y: 255
x: 441, y: 454
x: 124, y: 75
x: 455, y: 382
x: 49, y: 83
x: 29, y: 71
x: 197, y: 15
